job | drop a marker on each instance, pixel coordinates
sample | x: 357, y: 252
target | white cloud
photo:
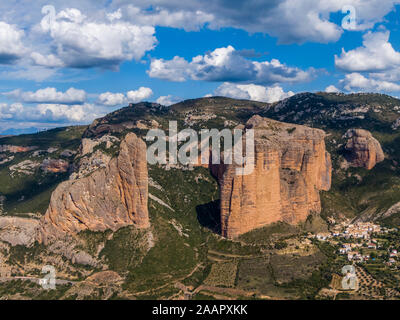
x: 167, y: 100
x: 83, y: 43
x: 332, y: 89
x: 67, y: 113
x: 289, y: 20
x: 116, y: 15
x: 112, y: 99
x: 49, y: 95
x: 141, y: 94
x: 50, y: 60
x: 10, y: 111
x: 377, y: 54
x: 172, y: 70
x: 373, y: 67
x: 133, y: 96
x: 11, y: 47
x: 357, y: 82
x: 391, y: 75
x: 226, y: 64
x: 53, y: 113
x: 252, y: 92
x: 187, y: 20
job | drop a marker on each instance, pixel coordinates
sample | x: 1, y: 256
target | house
x: 350, y: 256
x: 353, y: 255
x: 371, y: 245
x: 322, y: 236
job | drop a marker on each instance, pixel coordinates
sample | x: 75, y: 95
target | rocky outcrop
x: 88, y: 145
x: 109, y: 198
x: 291, y: 167
x: 26, y: 167
x: 18, y: 231
x: 362, y: 149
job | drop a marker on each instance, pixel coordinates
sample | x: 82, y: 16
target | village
x: 360, y: 242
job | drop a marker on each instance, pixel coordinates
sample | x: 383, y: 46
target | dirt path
x: 230, y: 255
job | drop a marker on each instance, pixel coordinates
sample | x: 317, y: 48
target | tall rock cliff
x: 291, y: 167
x: 109, y: 198
x: 363, y: 150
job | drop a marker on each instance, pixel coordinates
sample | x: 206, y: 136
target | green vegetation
x: 91, y: 240
x: 30, y: 193
x: 223, y: 274
x: 126, y: 249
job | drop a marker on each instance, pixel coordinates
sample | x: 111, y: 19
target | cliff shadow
x: 209, y: 216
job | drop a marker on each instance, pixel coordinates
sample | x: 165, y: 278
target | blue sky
x: 63, y: 64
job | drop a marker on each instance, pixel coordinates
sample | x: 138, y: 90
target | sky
x: 70, y: 62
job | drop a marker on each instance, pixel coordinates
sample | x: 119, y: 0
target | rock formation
x: 109, y: 198
x: 18, y: 231
x: 363, y: 150
x: 291, y: 167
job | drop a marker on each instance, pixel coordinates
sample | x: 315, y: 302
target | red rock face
x: 363, y: 149
x: 110, y: 198
x: 291, y: 167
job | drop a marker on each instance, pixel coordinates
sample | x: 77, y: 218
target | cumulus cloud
x: 172, y: 70
x: 373, y: 67
x: 331, y: 89
x: 49, y: 95
x: 81, y: 42
x: 226, y: 64
x: 52, y: 113
x: 358, y: 82
x: 11, y: 47
x: 66, y: 113
x: 376, y: 54
x: 112, y: 99
x: 167, y: 100
x: 133, y: 96
x: 141, y: 94
x: 252, y: 92
x: 49, y: 60
x: 10, y: 111
x: 291, y: 21
x: 183, y: 19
